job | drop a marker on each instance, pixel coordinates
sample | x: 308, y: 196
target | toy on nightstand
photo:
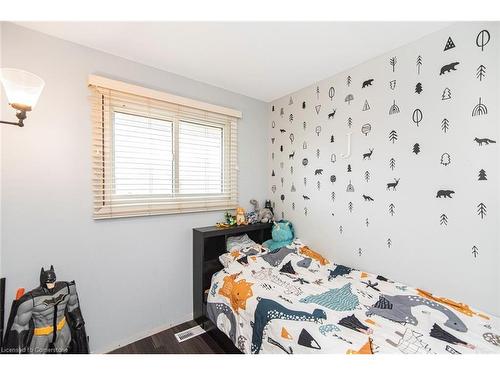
x: 229, y: 221
x: 240, y: 216
x: 269, y: 206
x: 253, y: 216
x: 264, y: 215
x: 282, y: 235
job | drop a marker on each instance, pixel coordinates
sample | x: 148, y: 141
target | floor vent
x: 189, y: 333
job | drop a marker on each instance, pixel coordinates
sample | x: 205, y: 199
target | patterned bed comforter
x: 295, y: 301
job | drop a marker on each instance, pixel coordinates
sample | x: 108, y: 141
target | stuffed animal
x: 253, y: 216
x: 240, y: 216
x: 230, y: 219
x: 282, y: 235
x: 264, y: 215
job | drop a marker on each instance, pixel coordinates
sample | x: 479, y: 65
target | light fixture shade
x: 21, y: 87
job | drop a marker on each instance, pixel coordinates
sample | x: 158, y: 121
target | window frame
x: 177, y: 202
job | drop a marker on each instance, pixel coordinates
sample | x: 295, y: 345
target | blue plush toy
x: 282, y: 234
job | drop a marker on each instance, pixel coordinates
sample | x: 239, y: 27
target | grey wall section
x: 133, y: 275
x: 423, y: 252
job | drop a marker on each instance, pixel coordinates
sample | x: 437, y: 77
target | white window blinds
x: 152, y: 156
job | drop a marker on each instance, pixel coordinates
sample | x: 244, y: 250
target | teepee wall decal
x: 449, y: 44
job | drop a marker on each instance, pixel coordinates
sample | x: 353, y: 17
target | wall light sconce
x: 23, y: 90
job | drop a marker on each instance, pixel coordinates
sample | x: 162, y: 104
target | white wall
x: 133, y: 275
x: 423, y: 252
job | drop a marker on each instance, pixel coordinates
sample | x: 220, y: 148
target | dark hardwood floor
x: 166, y: 343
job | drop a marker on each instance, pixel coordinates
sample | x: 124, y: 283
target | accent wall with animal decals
x: 415, y: 195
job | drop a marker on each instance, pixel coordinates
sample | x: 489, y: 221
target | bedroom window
x: 156, y: 153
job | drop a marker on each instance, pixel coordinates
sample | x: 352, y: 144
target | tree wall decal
x: 418, y: 88
x: 392, y: 62
x: 482, y: 175
x: 483, y: 39
x: 392, y: 163
x: 445, y: 159
x: 392, y: 209
x: 366, y: 128
x: 349, y: 79
x: 331, y: 92
x: 445, y: 125
x: 417, y: 116
x: 393, y: 136
x: 394, y: 108
x: 480, y: 109
x: 481, y: 72
x: 419, y: 63
x: 443, y: 219
x: 416, y: 148
x: 481, y: 210
x: 367, y: 176
x: 389, y: 243
x: 475, y: 251
x: 446, y: 94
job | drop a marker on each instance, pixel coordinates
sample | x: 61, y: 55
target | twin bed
x: 294, y: 300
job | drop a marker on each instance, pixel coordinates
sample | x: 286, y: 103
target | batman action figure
x: 47, y: 319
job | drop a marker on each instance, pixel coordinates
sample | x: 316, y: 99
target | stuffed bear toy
x: 282, y: 235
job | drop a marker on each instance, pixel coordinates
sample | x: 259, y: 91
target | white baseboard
x: 145, y: 334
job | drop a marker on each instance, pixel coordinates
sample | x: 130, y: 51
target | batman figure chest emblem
x: 54, y: 300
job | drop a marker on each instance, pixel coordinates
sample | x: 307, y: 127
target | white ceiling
x: 262, y: 60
